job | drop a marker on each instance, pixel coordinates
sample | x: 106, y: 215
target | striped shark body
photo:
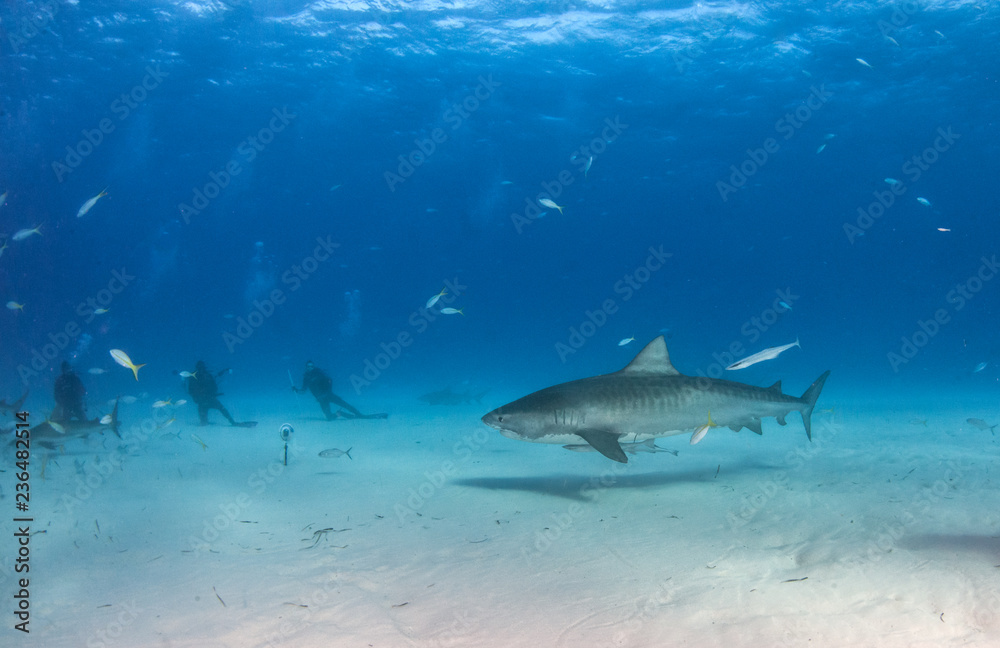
x: 647, y: 399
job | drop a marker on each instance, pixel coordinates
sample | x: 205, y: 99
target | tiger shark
x: 647, y: 399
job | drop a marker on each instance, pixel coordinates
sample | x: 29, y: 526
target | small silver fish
x: 86, y: 207
x: 433, y: 300
x: 22, y: 234
x: 892, y: 181
x: 980, y: 367
x: 452, y: 311
x: 336, y: 453
x: 923, y: 201
x: 548, y: 202
x: 97, y: 371
x: 627, y: 340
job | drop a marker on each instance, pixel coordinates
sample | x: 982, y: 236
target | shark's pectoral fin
x: 606, y: 443
x: 752, y: 424
x: 781, y: 418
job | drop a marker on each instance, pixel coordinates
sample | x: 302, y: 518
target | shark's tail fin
x: 809, y: 400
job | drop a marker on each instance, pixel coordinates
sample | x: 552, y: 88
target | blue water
x: 695, y: 91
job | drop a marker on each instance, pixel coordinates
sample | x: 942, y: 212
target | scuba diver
x: 205, y: 393
x: 317, y: 382
x: 69, y: 394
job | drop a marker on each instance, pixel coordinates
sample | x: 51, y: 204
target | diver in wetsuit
x: 69, y: 394
x: 205, y: 393
x: 316, y: 381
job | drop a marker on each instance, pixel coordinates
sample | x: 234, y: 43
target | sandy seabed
x: 440, y: 532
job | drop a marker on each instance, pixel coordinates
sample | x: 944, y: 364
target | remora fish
x: 647, y: 399
x: 649, y: 445
x: 760, y: 356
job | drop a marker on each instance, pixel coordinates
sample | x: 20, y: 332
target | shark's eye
x: 499, y: 419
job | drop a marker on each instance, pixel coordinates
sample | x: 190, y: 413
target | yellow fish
x: 13, y: 305
x: 200, y: 442
x: 91, y: 202
x: 548, y: 202
x: 100, y: 311
x: 3, y: 248
x: 122, y: 358
x: 700, y: 433
x: 433, y: 300
x: 162, y: 403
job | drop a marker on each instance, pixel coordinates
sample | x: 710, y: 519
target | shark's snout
x: 495, y: 420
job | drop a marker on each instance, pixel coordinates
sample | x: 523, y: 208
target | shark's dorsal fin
x: 653, y: 359
x: 775, y: 388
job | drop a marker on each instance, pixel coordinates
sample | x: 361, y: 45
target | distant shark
x: 14, y: 407
x: 52, y: 434
x: 647, y: 399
